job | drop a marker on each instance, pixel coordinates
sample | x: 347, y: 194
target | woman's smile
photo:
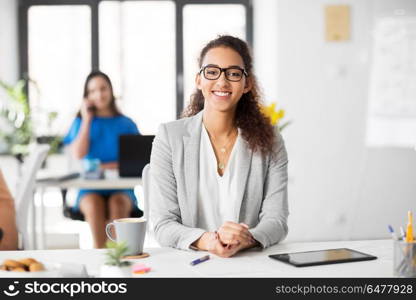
x: 222, y: 95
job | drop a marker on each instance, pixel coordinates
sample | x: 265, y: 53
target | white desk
x: 168, y: 262
x: 102, y: 184
x: 114, y: 182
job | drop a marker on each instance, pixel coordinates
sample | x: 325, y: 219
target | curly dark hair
x: 255, y: 127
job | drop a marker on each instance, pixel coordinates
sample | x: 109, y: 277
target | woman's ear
x: 248, y: 85
x: 198, y: 81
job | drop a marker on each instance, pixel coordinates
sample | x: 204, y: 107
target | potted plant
x: 113, y: 265
x: 17, y: 123
x: 17, y: 114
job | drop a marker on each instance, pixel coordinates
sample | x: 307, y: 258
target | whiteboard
x: 392, y: 91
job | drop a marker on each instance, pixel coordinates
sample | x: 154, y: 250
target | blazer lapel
x: 243, y: 167
x: 191, y: 143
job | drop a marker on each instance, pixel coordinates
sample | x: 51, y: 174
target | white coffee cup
x: 132, y: 231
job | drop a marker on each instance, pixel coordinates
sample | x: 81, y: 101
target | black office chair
x: 77, y: 215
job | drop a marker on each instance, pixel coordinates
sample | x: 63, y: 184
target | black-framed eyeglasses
x: 234, y: 74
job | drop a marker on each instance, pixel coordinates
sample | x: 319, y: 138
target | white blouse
x: 216, y: 194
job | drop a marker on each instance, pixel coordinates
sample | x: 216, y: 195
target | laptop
x: 134, y: 154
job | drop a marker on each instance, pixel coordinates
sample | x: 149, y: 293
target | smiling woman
x: 257, y: 130
x: 220, y: 173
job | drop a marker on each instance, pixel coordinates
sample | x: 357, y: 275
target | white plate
x: 51, y: 270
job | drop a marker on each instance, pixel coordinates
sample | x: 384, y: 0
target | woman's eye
x: 212, y: 72
x: 234, y: 74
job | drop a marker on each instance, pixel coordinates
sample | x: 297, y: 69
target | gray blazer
x: 174, y: 170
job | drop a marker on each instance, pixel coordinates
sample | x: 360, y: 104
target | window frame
x: 23, y: 30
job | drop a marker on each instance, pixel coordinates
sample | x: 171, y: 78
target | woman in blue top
x: 94, y: 134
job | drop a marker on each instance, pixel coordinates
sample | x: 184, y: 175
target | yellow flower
x: 274, y: 115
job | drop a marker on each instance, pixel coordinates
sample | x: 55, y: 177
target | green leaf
x: 281, y: 127
x: 115, y: 252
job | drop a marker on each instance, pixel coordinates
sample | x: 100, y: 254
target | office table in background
x: 113, y: 182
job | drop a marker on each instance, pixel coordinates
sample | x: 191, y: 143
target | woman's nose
x: 222, y: 80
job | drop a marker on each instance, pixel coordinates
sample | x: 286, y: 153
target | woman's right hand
x: 211, y: 242
x: 86, y: 113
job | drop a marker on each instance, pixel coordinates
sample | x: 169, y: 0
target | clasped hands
x: 228, y: 240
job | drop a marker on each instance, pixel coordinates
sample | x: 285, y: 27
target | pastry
x: 27, y: 261
x: 10, y: 263
x: 35, y: 267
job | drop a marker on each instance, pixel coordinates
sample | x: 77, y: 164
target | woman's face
x: 222, y: 94
x: 99, y: 93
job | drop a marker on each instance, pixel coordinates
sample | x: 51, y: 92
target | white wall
x: 339, y: 188
x: 8, y: 68
x: 8, y: 41
x: 266, y: 47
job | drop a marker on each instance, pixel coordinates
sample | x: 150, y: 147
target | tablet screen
x: 321, y: 257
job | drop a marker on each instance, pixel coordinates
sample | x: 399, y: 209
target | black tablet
x: 322, y: 257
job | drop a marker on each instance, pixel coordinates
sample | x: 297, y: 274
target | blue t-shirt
x: 104, y: 133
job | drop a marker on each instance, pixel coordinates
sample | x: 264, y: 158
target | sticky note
x: 140, y: 269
